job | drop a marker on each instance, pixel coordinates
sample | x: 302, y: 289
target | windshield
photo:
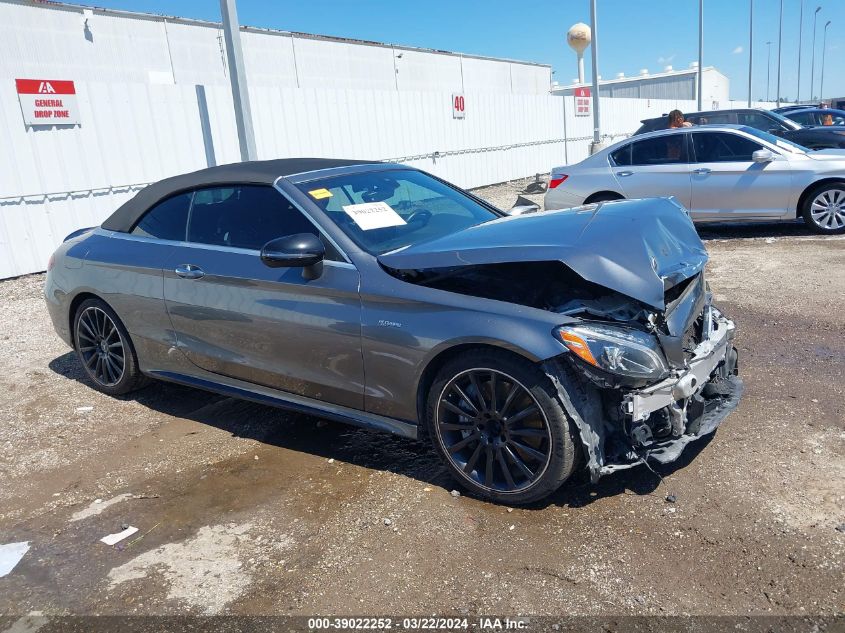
x: 385, y: 210
x: 789, y: 123
x: 782, y: 143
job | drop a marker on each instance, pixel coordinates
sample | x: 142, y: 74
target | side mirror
x: 296, y: 251
x: 762, y: 156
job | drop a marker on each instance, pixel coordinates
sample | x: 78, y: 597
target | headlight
x: 624, y: 352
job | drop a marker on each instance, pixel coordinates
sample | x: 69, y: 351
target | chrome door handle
x: 701, y: 170
x: 624, y: 173
x: 189, y: 271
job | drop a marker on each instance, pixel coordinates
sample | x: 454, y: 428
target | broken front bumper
x: 718, y: 334
x: 612, y: 422
x: 695, y: 400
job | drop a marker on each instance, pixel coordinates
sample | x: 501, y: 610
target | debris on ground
x: 455, y: 493
x: 840, y: 527
x: 671, y: 498
x: 97, y: 506
x: 84, y: 409
x: 117, y: 537
x: 10, y: 555
x: 388, y: 522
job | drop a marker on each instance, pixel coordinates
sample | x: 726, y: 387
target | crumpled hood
x: 639, y: 248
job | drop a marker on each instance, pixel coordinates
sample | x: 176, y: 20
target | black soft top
x: 259, y: 172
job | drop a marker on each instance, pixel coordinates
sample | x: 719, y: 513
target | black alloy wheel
x: 493, y: 430
x: 101, y: 346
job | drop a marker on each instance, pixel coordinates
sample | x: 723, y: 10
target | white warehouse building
x: 669, y: 84
x: 143, y: 97
x: 91, y: 44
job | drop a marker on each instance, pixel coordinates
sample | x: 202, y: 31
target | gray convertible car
x: 523, y: 346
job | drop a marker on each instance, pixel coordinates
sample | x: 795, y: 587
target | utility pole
x: 800, y: 33
x: 750, y: 46
x: 780, y: 46
x: 813, y: 57
x: 595, y: 55
x: 700, y: 51
x: 824, y: 54
x: 768, y: 67
x: 237, y: 77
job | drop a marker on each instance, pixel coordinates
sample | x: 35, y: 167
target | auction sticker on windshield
x: 373, y: 215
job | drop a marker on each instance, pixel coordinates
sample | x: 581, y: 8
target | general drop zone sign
x: 48, y: 101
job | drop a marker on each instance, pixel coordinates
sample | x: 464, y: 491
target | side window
x: 166, y: 220
x: 720, y: 147
x: 719, y: 118
x: 759, y: 121
x: 661, y: 150
x: 622, y: 156
x: 245, y: 216
x: 804, y: 118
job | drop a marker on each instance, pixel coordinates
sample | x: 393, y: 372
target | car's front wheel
x: 494, y: 419
x: 103, y: 347
x: 824, y: 208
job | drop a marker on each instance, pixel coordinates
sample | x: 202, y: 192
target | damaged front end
x: 648, y: 363
x: 625, y: 418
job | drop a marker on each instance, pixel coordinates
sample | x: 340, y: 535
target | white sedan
x: 718, y: 172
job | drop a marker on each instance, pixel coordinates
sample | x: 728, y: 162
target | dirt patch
x: 203, y: 571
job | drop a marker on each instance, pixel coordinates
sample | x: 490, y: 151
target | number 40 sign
x: 458, y: 106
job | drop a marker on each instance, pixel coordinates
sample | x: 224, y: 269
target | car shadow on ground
x: 747, y: 230
x: 363, y: 447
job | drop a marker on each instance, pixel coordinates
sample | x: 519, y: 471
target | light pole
x: 780, y: 45
x: 595, y: 55
x: 700, y: 49
x: 237, y: 77
x: 800, y: 33
x: 813, y: 57
x: 768, y: 67
x: 750, y: 45
x: 824, y: 54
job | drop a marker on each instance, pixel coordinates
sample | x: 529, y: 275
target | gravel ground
x: 244, y: 509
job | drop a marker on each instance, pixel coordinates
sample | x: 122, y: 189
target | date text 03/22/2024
x: 418, y: 624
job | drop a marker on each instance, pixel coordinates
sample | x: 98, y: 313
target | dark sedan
x: 818, y: 116
x: 763, y: 120
x: 379, y: 295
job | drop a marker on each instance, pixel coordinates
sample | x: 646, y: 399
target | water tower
x: 578, y: 37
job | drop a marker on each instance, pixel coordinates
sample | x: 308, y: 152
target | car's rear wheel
x: 103, y: 347
x: 495, y: 421
x: 824, y: 208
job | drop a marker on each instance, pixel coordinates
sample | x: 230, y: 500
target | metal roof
x: 217, y: 25
x: 633, y: 78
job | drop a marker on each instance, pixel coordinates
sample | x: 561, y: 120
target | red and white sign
x: 583, y: 102
x: 48, y: 101
x: 458, y: 106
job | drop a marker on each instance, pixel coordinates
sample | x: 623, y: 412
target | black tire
x: 823, y: 208
x: 105, y: 350
x: 470, y: 431
x: 607, y: 196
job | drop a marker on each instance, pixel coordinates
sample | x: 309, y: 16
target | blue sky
x: 634, y: 34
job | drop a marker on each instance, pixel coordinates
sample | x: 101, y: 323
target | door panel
x: 233, y: 315
x: 654, y: 167
x: 727, y: 184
